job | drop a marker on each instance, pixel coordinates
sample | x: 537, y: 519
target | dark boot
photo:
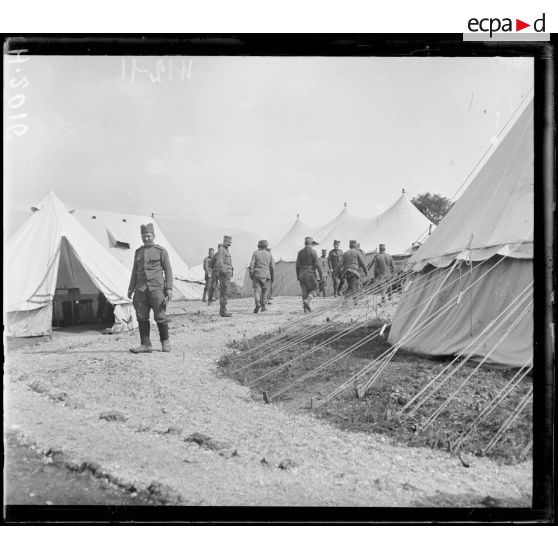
x: 223, y: 311
x: 204, y: 297
x: 256, y: 309
x: 145, y: 346
x: 164, y: 336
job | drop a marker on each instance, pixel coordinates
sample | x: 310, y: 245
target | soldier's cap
x: 353, y: 243
x: 382, y: 246
x: 146, y: 229
x: 227, y: 237
x: 309, y: 241
x: 324, y: 251
x: 262, y: 244
x: 336, y: 242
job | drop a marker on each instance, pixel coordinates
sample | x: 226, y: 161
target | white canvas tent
x: 489, y: 233
x: 50, y: 256
x: 398, y: 227
x: 344, y: 227
x: 119, y: 233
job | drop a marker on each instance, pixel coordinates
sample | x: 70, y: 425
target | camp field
x: 185, y: 429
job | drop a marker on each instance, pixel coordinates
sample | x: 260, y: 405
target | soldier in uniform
x: 306, y: 267
x: 151, y: 287
x: 207, y: 271
x: 353, y: 262
x: 269, y: 291
x: 261, y: 272
x: 383, y: 268
x: 214, y: 283
x: 324, y: 265
x: 222, y: 271
x: 335, y: 260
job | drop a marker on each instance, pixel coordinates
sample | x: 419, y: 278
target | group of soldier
x: 150, y: 285
x: 344, y: 267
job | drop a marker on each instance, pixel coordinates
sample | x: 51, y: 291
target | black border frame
x: 410, y: 45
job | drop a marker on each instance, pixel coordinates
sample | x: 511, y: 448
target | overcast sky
x: 249, y: 142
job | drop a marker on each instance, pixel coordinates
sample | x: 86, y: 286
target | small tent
x: 119, y: 233
x: 481, y: 258
x: 52, y: 263
x: 398, y: 227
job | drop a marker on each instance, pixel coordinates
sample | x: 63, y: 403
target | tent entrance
x: 77, y: 300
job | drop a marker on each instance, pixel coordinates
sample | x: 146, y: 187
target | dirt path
x: 248, y: 453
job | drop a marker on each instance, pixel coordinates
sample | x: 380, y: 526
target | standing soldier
x: 261, y: 272
x: 353, y: 262
x: 214, y: 283
x: 324, y: 265
x: 335, y: 260
x: 207, y: 270
x: 151, y: 287
x: 306, y: 267
x: 222, y: 271
x: 383, y: 268
x: 269, y: 291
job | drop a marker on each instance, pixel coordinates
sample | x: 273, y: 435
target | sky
x: 250, y: 142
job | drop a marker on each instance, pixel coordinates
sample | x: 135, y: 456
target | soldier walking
x: 151, y: 287
x: 261, y: 272
x: 324, y: 265
x: 306, y: 267
x: 207, y: 270
x: 353, y: 262
x: 335, y: 260
x: 222, y: 271
x: 383, y: 268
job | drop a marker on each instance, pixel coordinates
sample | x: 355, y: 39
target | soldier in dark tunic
x: 353, y: 263
x: 383, y: 268
x: 324, y: 265
x: 207, y: 272
x: 335, y: 260
x: 151, y: 287
x: 222, y: 271
x: 306, y: 267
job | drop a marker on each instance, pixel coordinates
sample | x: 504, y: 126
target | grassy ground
x: 378, y: 410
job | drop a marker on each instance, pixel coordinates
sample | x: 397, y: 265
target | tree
x: 432, y: 206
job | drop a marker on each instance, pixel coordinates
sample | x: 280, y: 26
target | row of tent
x: 60, y: 256
x: 398, y: 227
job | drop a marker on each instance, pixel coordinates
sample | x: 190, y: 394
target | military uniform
x: 306, y: 267
x: 335, y: 259
x: 261, y: 272
x: 353, y: 262
x: 324, y: 266
x: 151, y: 282
x: 222, y: 271
x: 382, y: 268
x: 207, y: 272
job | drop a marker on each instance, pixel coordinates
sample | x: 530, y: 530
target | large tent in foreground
x: 119, y: 233
x: 481, y: 258
x: 53, y: 264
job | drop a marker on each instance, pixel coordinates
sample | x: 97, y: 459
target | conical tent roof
x: 495, y: 214
x: 120, y: 234
x: 344, y: 227
x: 292, y: 242
x: 397, y: 227
x: 492, y: 314
x: 32, y: 260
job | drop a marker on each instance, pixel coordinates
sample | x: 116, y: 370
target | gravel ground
x: 171, y: 425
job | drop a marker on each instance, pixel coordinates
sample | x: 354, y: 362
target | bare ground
x: 172, y: 426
